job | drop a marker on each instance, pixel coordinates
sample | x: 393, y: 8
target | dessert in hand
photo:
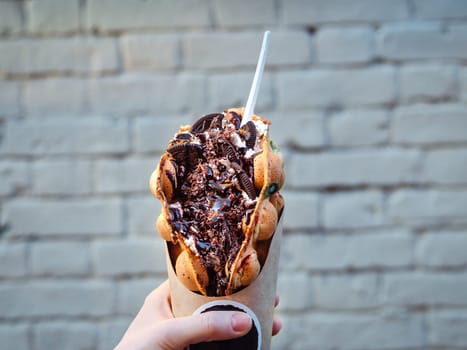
x: 219, y: 186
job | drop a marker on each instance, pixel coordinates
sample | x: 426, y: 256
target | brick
x: 215, y: 50
x: 55, y: 177
x: 14, y: 336
x: 113, y: 15
x: 64, y: 217
x: 11, y: 16
x: 244, y: 13
x: 344, y: 45
x: 56, y: 298
x: 59, y: 136
x: 352, y: 292
x: 446, y: 166
x: 221, y: 50
x: 65, y: 335
x: 151, y: 134
x: 48, y: 258
x: 427, y: 207
x: 328, y: 88
x: 304, y: 12
x: 231, y: 90
x: 9, y: 97
x: 117, y: 258
x: 352, y: 210
x: 123, y: 175
x: 142, y: 215
x: 111, y: 331
x: 359, y: 251
x: 302, y: 210
x: 440, y: 9
x: 132, y: 293
x: 427, y: 81
x: 151, y: 51
x: 289, y: 48
x: 419, y: 288
x: 463, y: 84
x: 148, y: 94
x: 442, y: 249
x: 429, y: 124
x: 49, y: 16
x: 298, y: 298
x: 447, y: 328
x: 13, y: 260
x: 305, y: 129
x: 14, y: 177
x: 379, y: 167
x: 42, y: 55
x: 359, y: 127
x: 329, y: 331
x: 421, y: 41
x: 55, y: 97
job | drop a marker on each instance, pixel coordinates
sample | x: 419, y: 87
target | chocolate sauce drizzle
x: 215, y: 191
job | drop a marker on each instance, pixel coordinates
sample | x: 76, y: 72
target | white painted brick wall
x: 49, y: 16
x: 58, y: 177
x: 64, y: 217
x: 76, y: 335
x: 49, y: 258
x: 59, y: 136
x: 15, y: 336
x: 151, y: 51
x: 327, y: 88
x: 440, y: 249
x: 427, y: 124
x: 123, y: 176
x: 448, y: 329
x: 15, y: 177
x: 420, y: 288
x: 359, y: 127
x: 244, y: 13
x: 33, y: 299
x: 13, y: 261
x: 75, y: 54
x: 439, y: 9
x: 9, y: 98
x: 427, y: 81
x: 389, y: 166
x: 421, y: 41
x: 141, y: 256
x: 11, y: 16
x: 142, y: 211
x: 368, y: 102
x: 59, y: 97
x: 122, y: 14
x: 322, y: 11
x: 354, y: 45
x: 353, y: 210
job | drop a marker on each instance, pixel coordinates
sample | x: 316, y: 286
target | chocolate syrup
x: 212, y: 180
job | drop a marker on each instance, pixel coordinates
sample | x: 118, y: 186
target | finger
x: 276, y: 326
x: 276, y: 300
x: 180, y: 332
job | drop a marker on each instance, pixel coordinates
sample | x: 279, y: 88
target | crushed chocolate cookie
x: 215, y: 191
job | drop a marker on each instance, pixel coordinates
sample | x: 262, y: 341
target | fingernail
x: 240, y: 322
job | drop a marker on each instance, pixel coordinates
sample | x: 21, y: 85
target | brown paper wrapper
x: 257, y: 300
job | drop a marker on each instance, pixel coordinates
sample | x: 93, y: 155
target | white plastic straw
x: 251, y: 102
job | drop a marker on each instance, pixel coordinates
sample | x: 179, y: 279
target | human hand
x: 156, y: 328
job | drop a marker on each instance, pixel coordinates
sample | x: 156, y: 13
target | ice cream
x: 219, y: 185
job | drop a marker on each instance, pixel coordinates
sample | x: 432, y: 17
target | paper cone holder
x: 258, y: 297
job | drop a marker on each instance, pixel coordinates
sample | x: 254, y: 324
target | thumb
x: 177, y: 333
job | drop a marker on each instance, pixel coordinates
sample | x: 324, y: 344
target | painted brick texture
x: 368, y: 102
